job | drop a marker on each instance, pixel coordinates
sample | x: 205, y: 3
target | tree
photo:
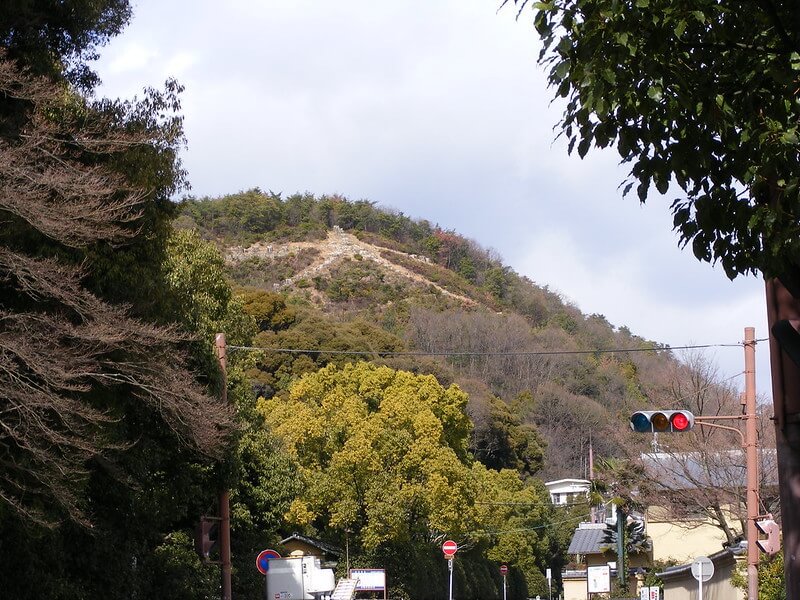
x: 53, y: 37
x: 701, y: 98
x: 70, y: 360
x: 698, y: 94
x: 381, y: 451
x: 515, y: 517
x: 771, y: 583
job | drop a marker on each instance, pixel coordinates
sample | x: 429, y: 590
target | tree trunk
x: 781, y: 305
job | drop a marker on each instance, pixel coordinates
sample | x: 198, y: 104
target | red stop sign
x: 503, y: 570
x: 449, y: 548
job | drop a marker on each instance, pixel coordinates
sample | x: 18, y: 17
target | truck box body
x: 298, y: 578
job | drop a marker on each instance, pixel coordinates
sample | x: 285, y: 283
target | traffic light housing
x: 772, y: 530
x: 206, y: 536
x: 658, y: 421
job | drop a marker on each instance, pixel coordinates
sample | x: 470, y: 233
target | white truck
x: 298, y: 578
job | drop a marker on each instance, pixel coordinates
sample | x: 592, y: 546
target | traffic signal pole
x: 751, y: 440
x: 680, y: 420
x: 224, y: 499
x: 750, y: 446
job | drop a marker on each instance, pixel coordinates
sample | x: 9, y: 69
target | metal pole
x: 504, y: 587
x: 347, y: 551
x: 751, y: 438
x: 450, y: 566
x: 700, y: 582
x: 621, y: 517
x: 224, y: 500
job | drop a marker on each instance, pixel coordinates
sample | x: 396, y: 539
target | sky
x: 436, y: 109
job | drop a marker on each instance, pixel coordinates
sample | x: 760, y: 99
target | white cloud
x: 131, y: 58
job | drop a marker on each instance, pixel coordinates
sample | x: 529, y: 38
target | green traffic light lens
x: 640, y: 422
x: 660, y: 422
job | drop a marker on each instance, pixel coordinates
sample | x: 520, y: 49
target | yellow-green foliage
x: 381, y: 451
x: 771, y: 582
x: 514, y: 516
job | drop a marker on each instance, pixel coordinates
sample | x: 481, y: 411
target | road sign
x: 262, y: 560
x: 449, y: 548
x: 503, y: 570
x: 702, y: 568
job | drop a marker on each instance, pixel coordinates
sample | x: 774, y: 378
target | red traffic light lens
x: 680, y: 422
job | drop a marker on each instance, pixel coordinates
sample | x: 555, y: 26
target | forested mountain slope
x: 376, y: 285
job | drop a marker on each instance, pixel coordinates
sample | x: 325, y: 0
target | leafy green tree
x: 201, y: 296
x: 515, y: 516
x: 701, y: 95
x: 381, y: 451
x: 52, y: 37
x: 268, y: 309
x: 771, y: 583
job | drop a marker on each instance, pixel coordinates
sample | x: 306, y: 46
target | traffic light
x: 657, y: 421
x: 772, y: 544
x: 205, y: 538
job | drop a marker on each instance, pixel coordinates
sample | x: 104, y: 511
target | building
x: 564, y: 492
x: 301, y: 545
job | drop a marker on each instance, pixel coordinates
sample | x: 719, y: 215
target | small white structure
x: 567, y: 491
x: 298, y: 578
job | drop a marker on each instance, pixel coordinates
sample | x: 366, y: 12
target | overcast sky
x: 435, y: 108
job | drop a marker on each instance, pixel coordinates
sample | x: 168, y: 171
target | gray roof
x: 587, y: 541
x: 725, y: 556
x: 324, y: 546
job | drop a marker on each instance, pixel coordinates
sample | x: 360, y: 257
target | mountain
x: 364, y: 283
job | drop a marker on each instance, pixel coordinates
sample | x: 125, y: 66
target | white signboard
x: 650, y: 593
x: 369, y: 580
x: 599, y: 579
x: 655, y: 593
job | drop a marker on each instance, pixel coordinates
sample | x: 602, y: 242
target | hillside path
x: 337, y: 246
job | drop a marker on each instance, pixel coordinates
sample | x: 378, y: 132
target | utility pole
x: 783, y: 316
x: 224, y: 499
x: 751, y: 441
x: 750, y: 446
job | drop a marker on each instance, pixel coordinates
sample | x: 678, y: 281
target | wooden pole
x: 224, y: 499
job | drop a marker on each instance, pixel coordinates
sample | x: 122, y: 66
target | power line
x: 460, y: 353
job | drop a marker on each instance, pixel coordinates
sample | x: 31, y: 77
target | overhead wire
x: 458, y: 353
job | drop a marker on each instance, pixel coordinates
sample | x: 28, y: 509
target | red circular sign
x: 449, y: 548
x: 503, y: 570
